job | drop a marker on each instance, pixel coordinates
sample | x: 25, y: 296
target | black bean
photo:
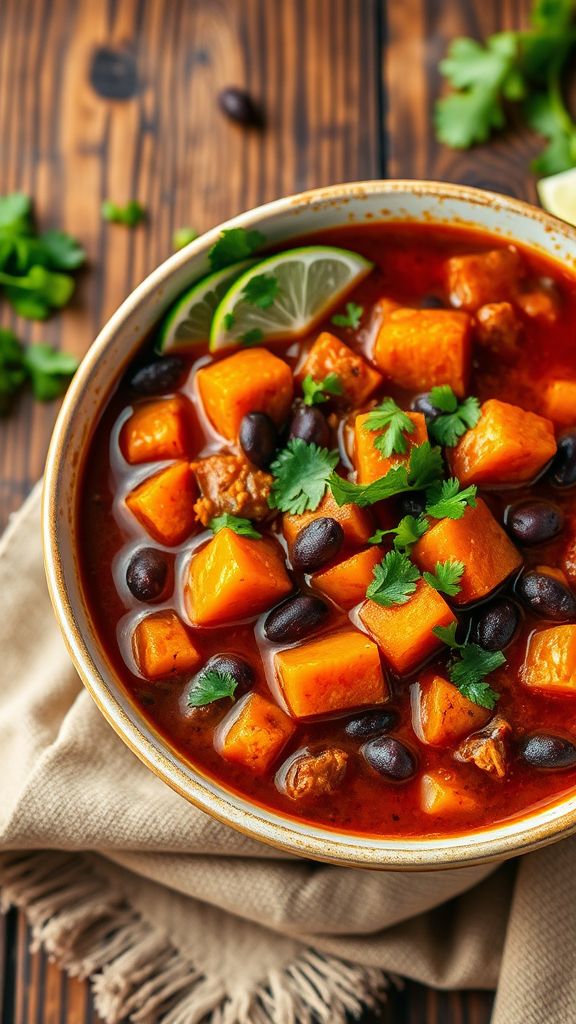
x: 497, y: 625
x: 535, y: 522
x: 161, y: 375
x: 258, y: 438
x: 562, y: 470
x: 310, y: 424
x: 544, y: 751
x: 412, y: 504
x: 546, y: 596
x: 317, y: 543
x: 295, y: 618
x: 147, y: 574
x: 370, y: 723
x: 432, y: 302
x: 239, y: 106
x: 421, y: 403
x: 389, y: 757
x: 240, y: 670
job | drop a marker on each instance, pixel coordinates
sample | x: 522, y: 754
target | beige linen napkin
x: 178, y: 919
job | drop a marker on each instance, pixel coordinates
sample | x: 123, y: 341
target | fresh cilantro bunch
x: 455, y: 417
x: 316, y: 392
x: 394, y: 423
x: 233, y: 245
x: 243, y: 527
x: 423, y: 468
x: 34, y: 268
x: 470, y: 667
x: 209, y: 686
x: 513, y: 67
x: 301, y: 473
x: 48, y: 370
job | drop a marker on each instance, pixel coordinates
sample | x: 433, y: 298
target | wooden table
x: 117, y: 99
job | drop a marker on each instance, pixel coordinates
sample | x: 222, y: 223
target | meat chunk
x: 487, y: 749
x: 540, y: 300
x: 485, y: 277
x: 311, y: 775
x: 498, y: 328
x: 229, y: 484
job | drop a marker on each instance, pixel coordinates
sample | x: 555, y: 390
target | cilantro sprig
x: 423, y: 468
x: 470, y: 666
x: 446, y: 500
x: 209, y: 686
x: 315, y: 392
x: 261, y: 290
x: 394, y: 580
x: 394, y: 423
x: 234, y: 244
x: 351, y: 318
x: 446, y: 577
x: 455, y: 417
x: 243, y: 527
x: 131, y: 214
x: 408, y: 531
x: 301, y: 474
x: 46, y: 369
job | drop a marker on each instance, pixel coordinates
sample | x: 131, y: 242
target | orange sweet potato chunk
x: 420, y: 348
x: 254, y: 733
x: 162, y: 646
x: 478, y: 541
x: 250, y: 381
x: 440, y: 714
x: 560, y: 402
x: 478, y: 278
x: 164, y: 504
x: 550, y: 663
x: 233, y: 577
x: 370, y: 463
x: 155, y: 431
x: 333, y: 673
x: 508, y: 445
x: 404, y: 631
x: 441, y: 793
x: 347, y: 581
x: 356, y: 522
x: 330, y: 355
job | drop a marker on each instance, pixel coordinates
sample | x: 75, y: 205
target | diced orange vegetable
x: 483, y: 277
x: 253, y: 733
x: 164, y: 504
x: 233, y: 577
x: 356, y: 522
x: 330, y: 355
x: 478, y: 541
x: 346, y: 582
x: 383, y: 307
x: 370, y: 463
x: 404, y: 631
x: 550, y: 663
x: 155, y: 431
x: 507, y: 446
x: 440, y: 714
x: 250, y: 381
x: 420, y: 348
x: 333, y: 673
x: 162, y: 646
x: 560, y: 402
x: 441, y: 793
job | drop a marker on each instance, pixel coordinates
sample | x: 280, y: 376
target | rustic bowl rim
x: 520, y: 835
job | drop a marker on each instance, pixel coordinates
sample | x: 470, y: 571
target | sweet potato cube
x: 356, y: 522
x: 162, y: 646
x: 155, y: 431
x: 420, y: 348
x: 370, y: 463
x: 442, y: 794
x: 164, y: 504
x: 507, y: 446
x: 478, y: 541
x: 347, y: 581
x: 233, y: 577
x: 404, y: 631
x: 560, y: 402
x: 334, y: 673
x: 478, y: 278
x: 253, y: 733
x: 330, y: 355
x: 550, y: 663
x: 250, y: 381
x: 440, y: 714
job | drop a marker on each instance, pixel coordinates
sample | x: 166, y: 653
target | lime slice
x: 289, y: 294
x: 187, y: 323
x: 558, y: 195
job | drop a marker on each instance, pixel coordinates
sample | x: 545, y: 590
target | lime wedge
x: 187, y: 323
x: 284, y: 296
x: 558, y: 195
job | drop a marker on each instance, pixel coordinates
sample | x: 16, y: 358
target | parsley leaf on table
x: 471, y: 666
x: 243, y: 527
x: 209, y: 686
x: 301, y: 472
x: 261, y: 290
x: 234, y: 244
x: 62, y: 252
x: 394, y: 580
x: 50, y: 370
x: 445, y: 500
x: 424, y: 467
x: 408, y: 531
x: 446, y: 577
x: 390, y: 418
x: 33, y: 295
x: 351, y: 318
x: 317, y: 391
x: 131, y: 214
x: 455, y: 417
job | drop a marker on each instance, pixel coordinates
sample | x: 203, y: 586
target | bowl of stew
x: 310, y: 524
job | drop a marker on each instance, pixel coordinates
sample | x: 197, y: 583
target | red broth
x: 410, y: 264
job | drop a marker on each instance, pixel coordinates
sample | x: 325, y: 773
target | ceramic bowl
x: 115, y: 346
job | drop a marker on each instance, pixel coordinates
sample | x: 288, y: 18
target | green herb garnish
x: 445, y: 500
x: 252, y: 337
x: 316, y: 392
x: 423, y: 468
x: 48, y: 370
x: 456, y: 417
x: 261, y: 290
x: 468, y: 672
x: 394, y: 580
x: 394, y: 422
x: 229, y: 320
x: 408, y: 531
x: 351, y: 318
x: 12, y: 368
x: 234, y: 244
x: 209, y: 686
x: 131, y: 214
x: 182, y: 237
x: 446, y: 577
x: 301, y: 472
x: 243, y: 527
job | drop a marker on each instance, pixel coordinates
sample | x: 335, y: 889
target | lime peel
x: 557, y: 194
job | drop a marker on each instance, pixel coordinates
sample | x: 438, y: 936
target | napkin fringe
x: 87, y: 927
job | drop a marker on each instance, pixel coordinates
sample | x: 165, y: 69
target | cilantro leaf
x: 445, y: 500
x: 34, y: 294
x: 456, y: 417
x: 424, y: 467
x: 470, y: 667
x: 316, y: 392
x: 182, y: 237
x: 301, y: 472
x: 209, y: 686
x: 251, y: 337
x: 394, y: 580
x: 261, y: 290
x: 394, y: 422
x: 243, y: 527
x: 50, y: 370
x: 16, y: 212
x: 408, y: 531
x: 351, y: 318
x: 480, y: 72
x: 62, y: 251
x: 12, y: 368
x: 447, y: 634
x: 446, y: 577
x: 547, y: 115
x: 479, y: 692
x: 229, y: 320
x: 131, y: 214
x: 234, y: 244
